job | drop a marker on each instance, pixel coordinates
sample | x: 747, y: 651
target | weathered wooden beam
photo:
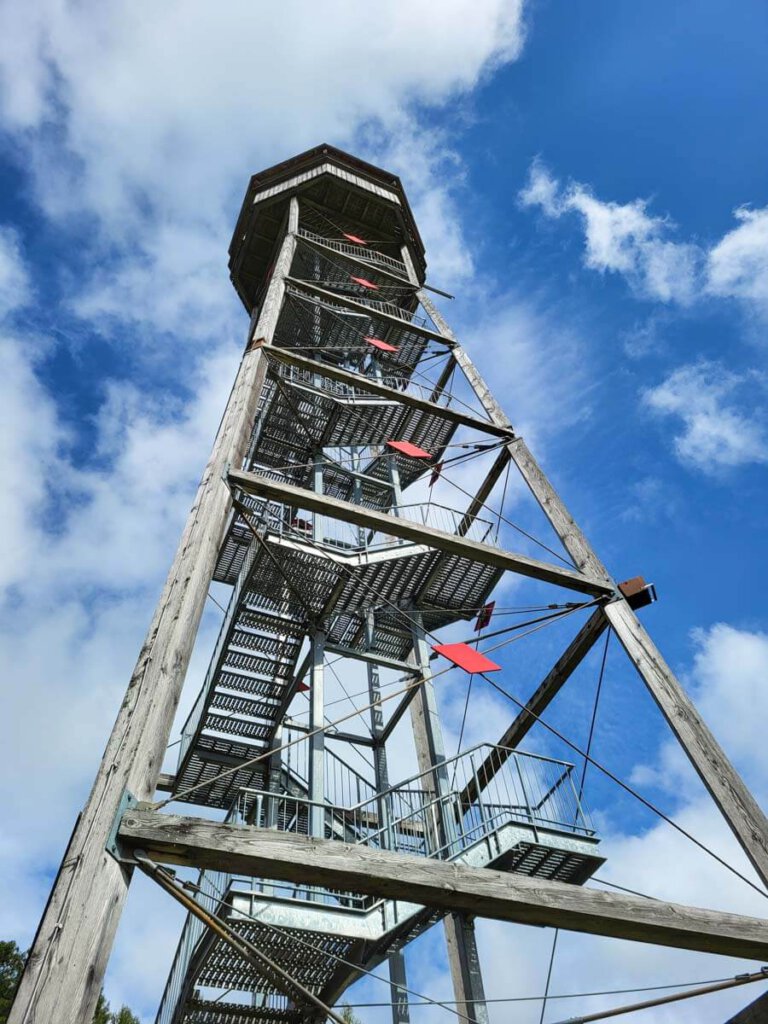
x: 66, y: 965
x: 477, y: 504
x: 550, y: 686
x: 263, y: 853
x: 373, y: 387
x: 347, y: 512
x: 738, y: 806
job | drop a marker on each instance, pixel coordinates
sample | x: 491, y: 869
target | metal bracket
x: 127, y: 802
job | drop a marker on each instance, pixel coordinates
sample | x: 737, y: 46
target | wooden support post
x: 465, y: 967
x: 572, y: 538
x: 738, y: 806
x: 395, y: 959
x: 736, y: 803
x: 65, y: 968
x: 260, y: 853
x: 430, y: 751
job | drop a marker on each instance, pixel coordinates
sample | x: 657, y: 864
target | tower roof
x: 349, y: 191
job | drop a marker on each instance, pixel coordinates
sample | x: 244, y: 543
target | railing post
x: 579, y: 814
x: 487, y: 833
x: 275, y: 781
x: 528, y: 808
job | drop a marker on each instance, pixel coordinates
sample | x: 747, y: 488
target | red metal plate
x: 301, y: 688
x: 436, y: 474
x: 467, y: 657
x: 409, y: 449
x: 364, y: 282
x: 484, y: 618
x: 355, y: 239
x: 383, y: 345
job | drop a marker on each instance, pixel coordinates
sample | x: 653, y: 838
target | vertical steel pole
x: 396, y: 959
x: 317, y: 741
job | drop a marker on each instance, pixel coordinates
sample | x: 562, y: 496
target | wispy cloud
x: 621, y: 237
x: 708, y: 400
x: 624, y: 238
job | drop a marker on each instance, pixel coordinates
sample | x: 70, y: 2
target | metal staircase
x: 528, y: 819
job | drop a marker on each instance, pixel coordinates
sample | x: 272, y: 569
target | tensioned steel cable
x: 757, y: 976
x: 702, y: 987
x: 588, y: 759
x: 623, y: 785
x: 514, y: 526
x: 413, y: 683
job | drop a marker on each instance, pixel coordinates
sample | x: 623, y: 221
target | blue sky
x: 590, y: 182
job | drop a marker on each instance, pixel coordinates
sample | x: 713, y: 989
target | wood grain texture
x: 346, y: 511
x: 738, y: 806
x: 68, y: 959
x: 571, y: 537
x: 263, y: 853
x: 562, y: 522
x: 736, y: 803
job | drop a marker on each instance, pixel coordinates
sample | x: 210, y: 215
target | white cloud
x: 728, y: 669
x: 708, y: 399
x: 729, y: 673
x: 738, y: 264
x: 624, y: 238
x: 15, y: 288
x: 170, y: 102
x: 621, y: 238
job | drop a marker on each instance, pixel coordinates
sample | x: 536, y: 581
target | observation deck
x: 528, y: 820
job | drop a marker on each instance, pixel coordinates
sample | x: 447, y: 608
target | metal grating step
x: 208, y: 1011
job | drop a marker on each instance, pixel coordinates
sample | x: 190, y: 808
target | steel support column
x: 430, y: 749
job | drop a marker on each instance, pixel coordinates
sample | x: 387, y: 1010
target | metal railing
x: 192, y: 724
x: 211, y: 892
x: 363, y: 254
x: 313, y: 380
x: 295, y: 523
x: 442, y: 812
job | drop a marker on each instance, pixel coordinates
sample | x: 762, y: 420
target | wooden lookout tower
x: 353, y: 508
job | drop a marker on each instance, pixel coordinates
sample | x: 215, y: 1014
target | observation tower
x: 353, y: 514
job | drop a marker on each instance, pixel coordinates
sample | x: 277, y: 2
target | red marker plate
x: 301, y: 688
x: 409, y: 449
x: 364, y: 282
x: 355, y: 239
x: 383, y: 345
x: 484, y: 618
x: 467, y: 658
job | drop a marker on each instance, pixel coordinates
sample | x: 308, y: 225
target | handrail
x: 430, y: 771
